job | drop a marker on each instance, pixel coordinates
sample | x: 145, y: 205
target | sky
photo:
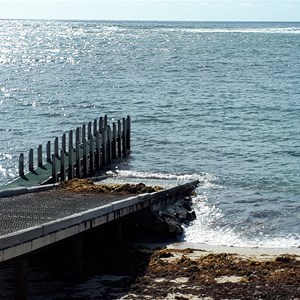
x: 162, y: 10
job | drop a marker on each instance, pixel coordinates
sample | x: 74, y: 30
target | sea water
x: 218, y: 102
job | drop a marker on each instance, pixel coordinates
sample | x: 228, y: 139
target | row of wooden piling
x: 89, y: 148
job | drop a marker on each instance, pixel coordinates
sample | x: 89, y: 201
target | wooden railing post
x: 89, y: 130
x: 114, y: 142
x: 104, y: 147
x: 71, y: 163
x: 64, y: 143
x: 62, y: 165
x: 85, y: 163
x: 124, y: 138
x: 109, y: 150
x: 40, y: 156
x: 71, y: 138
x: 119, y: 139
x: 83, y: 132
x: 128, y: 130
x: 21, y: 164
x: 98, y: 151
x: 92, y: 155
x: 54, y: 171
x: 31, y: 167
x: 56, y: 147
x: 48, y: 151
x: 78, y: 160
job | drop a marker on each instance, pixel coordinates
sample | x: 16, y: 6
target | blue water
x: 214, y: 101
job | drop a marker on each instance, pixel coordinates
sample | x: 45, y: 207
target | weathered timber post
x: 101, y: 125
x: 64, y: 143
x: 109, y: 152
x: 71, y: 138
x: 105, y: 121
x: 119, y: 139
x: 20, y: 280
x: 83, y: 132
x: 21, y: 164
x: 54, y: 171
x: 56, y: 147
x: 114, y: 142
x: 31, y: 167
x: 78, y: 133
x: 104, y: 147
x: 48, y: 151
x: 95, y: 128
x: 78, y: 160
x: 40, y: 155
x: 89, y: 130
x: 128, y: 125
x: 98, y: 151
x: 71, y: 164
x: 124, y: 138
x: 85, y: 163
x: 62, y: 165
x: 92, y: 155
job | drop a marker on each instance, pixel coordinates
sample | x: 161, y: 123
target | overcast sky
x: 184, y: 10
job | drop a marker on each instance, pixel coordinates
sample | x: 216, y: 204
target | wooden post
x: 109, y: 152
x: 48, y: 151
x: 71, y: 164
x: 54, y: 171
x: 85, y: 163
x: 128, y: 123
x: 31, y: 167
x: 83, y: 132
x: 21, y: 164
x: 119, y: 139
x: 78, y: 133
x: 98, y: 151
x: 40, y: 156
x: 62, y: 165
x: 71, y: 138
x: 64, y: 143
x: 114, y: 142
x: 92, y: 155
x: 105, y: 121
x: 21, y: 272
x: 95, y: 127
x: 78, y: 160
x: 104, y: 147
x: 89, y: 130
x: 101, y: 125
x: 56, y: 147
x: 124, y: 147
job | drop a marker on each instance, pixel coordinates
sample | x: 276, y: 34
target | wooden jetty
x: 78, y: 154
x: 71, y: 217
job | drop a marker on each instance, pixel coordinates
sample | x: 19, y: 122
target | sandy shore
x: 250, y: 251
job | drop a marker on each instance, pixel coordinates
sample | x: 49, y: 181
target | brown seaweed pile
x: 220, y: 276
x: 88, y: 185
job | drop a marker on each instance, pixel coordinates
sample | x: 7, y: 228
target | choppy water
x: 214, y: 101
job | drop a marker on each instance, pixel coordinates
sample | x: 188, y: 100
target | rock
x: 167, y: 222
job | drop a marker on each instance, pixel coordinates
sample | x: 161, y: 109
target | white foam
x: 206, y: 230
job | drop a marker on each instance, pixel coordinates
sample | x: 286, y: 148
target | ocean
x: 214, y: 101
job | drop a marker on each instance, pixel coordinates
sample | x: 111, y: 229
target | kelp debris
x: 88, y: 185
